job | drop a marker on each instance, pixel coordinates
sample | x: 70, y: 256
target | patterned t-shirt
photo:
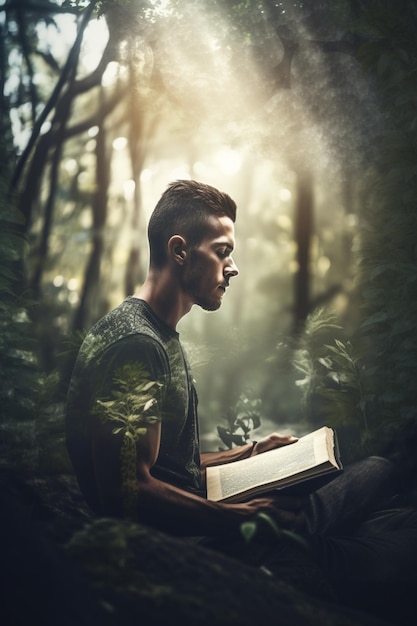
x: 130, y: 346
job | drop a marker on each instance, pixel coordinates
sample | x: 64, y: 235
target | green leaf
x: 296, y: 538
x: 149, y: 385
x: 148, y: 404
x: 376, y: 318
x: 248, y: 530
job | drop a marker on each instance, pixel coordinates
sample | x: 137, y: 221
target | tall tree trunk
x: 303, y: 225
x: 42, y: 255
x: 89, y: 295
x: 139, y: 136
x: 133, y: 272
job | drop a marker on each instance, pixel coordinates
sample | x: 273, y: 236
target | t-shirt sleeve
x: 130, y: 381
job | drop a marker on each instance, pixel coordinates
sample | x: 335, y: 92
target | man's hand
x: 274, y: 440
x: 285, y: 511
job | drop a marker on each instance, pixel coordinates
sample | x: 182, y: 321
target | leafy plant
x: 18, y: 381
x: 346, y: 398
x: 386, y: 246
x: 132, y: 407
x: 242, y: 420
x: 334, y: 379
x: 310, y: 353
x: 249, y: 530
x: 367, y: 383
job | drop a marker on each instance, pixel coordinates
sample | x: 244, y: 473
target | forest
x: 305, y: 112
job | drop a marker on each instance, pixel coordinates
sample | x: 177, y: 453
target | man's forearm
x: 226, y: 456
x: 179, y: 512
x: 271, y: 441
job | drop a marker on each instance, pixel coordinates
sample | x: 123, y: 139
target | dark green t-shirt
x: 130, y: 346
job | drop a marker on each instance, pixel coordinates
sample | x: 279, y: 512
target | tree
x: 374, y: 370
x: 279, y: 71
x: 39, y: 172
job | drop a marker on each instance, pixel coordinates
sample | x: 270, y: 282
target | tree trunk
x: 90, y: 292
x: 303, y: 225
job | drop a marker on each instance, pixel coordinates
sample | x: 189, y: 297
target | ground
x: 65, y: 567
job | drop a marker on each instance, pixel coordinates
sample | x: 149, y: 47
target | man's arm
x: 157, y: 502
x: 170, y: 509
x: 274, y: 440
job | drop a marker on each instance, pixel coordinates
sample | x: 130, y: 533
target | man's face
x: 209, y: 266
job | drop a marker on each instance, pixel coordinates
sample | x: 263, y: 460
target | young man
x: 191, y: 239
x: 132, y: 428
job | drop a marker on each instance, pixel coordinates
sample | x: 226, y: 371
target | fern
x: 309, y: 356
x: 334, y: 380
x: 18, y: 382
x: 345, y: 400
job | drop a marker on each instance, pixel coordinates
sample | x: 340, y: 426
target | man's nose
x: 231, y: 269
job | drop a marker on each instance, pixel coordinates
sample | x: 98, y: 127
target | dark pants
x: 357, y: 543
x: 364, y: 545
x: 355, y: 529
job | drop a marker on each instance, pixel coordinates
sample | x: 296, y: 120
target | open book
x: 300, y: 467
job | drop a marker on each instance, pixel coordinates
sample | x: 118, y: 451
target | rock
x: 63, y: 567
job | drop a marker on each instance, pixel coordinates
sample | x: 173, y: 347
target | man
x: 132, y: 428
x: 191, y: 238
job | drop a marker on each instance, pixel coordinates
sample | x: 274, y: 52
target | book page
x: 223, y: 481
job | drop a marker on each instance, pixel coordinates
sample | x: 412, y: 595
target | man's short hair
x: 184, y: 209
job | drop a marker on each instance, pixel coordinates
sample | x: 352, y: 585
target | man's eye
x: 223, y: 253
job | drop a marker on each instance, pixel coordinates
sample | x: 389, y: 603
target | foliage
x: 285, y: 65
x: 117, y: 568
x: 19, y: 380
x: 334, y: 380
x: 133, y: 404
x: 249, y: 530
x: 367, y: 383
x: 387, y: 246
x: 347, y: 399
x: 132, y: 407
x: 310, y: 357
x: 242, y: 420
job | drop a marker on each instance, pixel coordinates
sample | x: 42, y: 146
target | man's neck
x: 163, y: 296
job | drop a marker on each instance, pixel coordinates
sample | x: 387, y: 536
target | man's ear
x: 177, y: 249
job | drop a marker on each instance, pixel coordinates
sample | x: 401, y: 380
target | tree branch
x: 66, y: 72
x: 26, y: 55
